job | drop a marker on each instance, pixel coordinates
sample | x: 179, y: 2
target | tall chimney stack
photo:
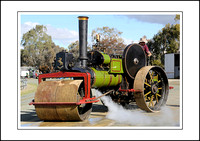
x: 83, y: 25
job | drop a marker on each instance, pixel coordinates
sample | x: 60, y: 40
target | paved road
x: 116, y: 116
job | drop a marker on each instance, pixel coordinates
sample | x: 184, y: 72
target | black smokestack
x: 83, y: 24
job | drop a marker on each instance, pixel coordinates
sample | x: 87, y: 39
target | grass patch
x: 29, y: 89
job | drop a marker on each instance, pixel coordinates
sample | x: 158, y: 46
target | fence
x: 23, y: 83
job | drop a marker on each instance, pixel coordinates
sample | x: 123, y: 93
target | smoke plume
x: 136, y: 117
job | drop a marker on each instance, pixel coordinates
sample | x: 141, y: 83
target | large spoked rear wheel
x: 153, y: 84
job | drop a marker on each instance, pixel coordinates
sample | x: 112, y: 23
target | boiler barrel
x: 104, y: 79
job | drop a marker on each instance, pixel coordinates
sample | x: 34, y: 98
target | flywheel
x: 134, y: 59
x: 153, y: 84
x: 61, y: 91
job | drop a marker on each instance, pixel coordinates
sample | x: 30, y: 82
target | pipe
x: 83, y: 25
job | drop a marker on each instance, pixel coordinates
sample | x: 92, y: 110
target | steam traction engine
x: 125, y: 77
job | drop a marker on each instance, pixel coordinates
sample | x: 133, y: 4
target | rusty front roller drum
x: 61, y: 91
x: 153, y: 83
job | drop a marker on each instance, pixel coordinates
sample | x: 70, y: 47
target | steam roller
x: 65, y: 94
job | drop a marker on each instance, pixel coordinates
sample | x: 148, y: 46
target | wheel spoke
x: 147, y: 93
x: 158, y: 95
x: 158, y: 81
x: 145, y: 98
x: 151, y: 101
x: 147, y: 84
x: 152, y: 79
x: 155, y: 78
x: 157, y: 98
x: 152, y: 73
x: 151, y: 76
x: 153, y: 82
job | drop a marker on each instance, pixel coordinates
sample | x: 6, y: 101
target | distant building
x: 172, y: 65
x: 24, y: 71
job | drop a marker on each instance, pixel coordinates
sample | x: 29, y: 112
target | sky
x: 64, y: 28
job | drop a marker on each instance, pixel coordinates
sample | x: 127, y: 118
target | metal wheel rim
x: 154, y: 94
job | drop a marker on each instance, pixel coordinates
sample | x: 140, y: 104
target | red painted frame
x: 86, y: 76
x: 129, y: 90
x: 133, y: 90
x: 82, y: 101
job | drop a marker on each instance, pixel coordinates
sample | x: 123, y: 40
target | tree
x: 74, y: 49
x: 23, y: 57
x: 177, y: 17
x: 39, y: 49
x: 167, y: 40
x: 110, y: 39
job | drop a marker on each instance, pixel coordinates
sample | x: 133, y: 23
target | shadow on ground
x: 172, y: 105
x: 99, y: 108
x: 29, y: 116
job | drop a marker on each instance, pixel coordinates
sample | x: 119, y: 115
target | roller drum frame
x: 64, y: 100
x: 59, y: 91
